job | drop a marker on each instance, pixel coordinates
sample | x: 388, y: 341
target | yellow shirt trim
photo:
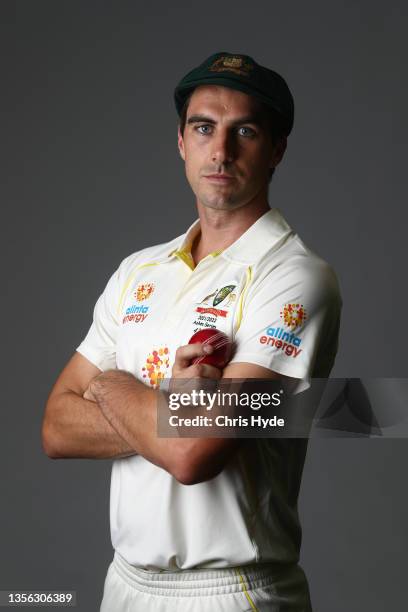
x: 184, y: 254
x: 242, y: 296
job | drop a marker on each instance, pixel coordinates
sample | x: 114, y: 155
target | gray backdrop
x: 91, y: 173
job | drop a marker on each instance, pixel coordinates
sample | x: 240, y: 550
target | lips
x: 219, y: 177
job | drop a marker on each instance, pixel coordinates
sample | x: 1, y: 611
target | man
x: 205, y: 524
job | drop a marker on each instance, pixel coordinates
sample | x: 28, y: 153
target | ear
x: 180, y: 143
x: 278, y: 151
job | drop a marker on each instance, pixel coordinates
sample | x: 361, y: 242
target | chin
x: 218, y: 201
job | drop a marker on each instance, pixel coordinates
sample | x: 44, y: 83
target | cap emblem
x: 231, y: 64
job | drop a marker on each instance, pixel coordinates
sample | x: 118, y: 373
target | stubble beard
x: 219, y: 201
x: 221, y: 198
x: 232, y: 200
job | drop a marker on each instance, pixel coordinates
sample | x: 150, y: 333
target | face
x: 227, y: 148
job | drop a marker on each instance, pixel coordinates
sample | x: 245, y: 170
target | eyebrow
x: 204, y: 119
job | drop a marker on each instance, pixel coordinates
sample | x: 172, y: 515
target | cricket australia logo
x: 224, y: 295
x: 207, y: 310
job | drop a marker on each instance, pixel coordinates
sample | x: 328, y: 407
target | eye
x: 204, y: 129
x: 246, y: 131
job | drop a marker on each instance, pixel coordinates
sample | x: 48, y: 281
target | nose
x: 223, y: 148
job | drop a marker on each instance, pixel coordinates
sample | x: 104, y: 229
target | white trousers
x: 249, y: 588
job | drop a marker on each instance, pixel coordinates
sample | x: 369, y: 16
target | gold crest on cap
x: 232, y: 64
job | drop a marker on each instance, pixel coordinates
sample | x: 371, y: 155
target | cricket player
x: 205, y: 524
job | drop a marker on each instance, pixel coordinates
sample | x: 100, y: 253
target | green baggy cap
x: 240, y: 72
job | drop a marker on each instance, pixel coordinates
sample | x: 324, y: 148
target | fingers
x: 186, y: 354
x: 201, y: 370
x: 88, y: 395
x: 184, y: 368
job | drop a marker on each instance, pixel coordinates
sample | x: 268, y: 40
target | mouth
x: 219, y: 178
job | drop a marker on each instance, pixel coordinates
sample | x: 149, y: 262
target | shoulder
x: 295, y: 263
x: 149, y: 256
x: 318, y: 276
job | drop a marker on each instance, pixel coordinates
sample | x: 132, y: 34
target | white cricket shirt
x: 280, y: 303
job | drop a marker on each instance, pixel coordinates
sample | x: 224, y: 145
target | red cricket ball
x: 221, y: 343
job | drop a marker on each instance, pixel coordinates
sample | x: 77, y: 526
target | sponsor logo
x: 137, y: 314
x: 156, y: 366
x: 282, y: 340
x: 293, y: 315
x: 144, y: 291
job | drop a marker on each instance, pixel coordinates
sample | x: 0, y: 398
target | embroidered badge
x: 293, y: 315
x: 207, y: 305
x: 144, y: 291
x: 232, y: 64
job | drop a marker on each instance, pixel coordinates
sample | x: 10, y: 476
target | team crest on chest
x: 207, y: 309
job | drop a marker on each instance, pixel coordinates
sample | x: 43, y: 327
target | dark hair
x: 276, y: 122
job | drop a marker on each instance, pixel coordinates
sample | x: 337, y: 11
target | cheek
x: 194, y: 161
x: 191, y: 168
x: 260, y: 161
x: 257, y: 167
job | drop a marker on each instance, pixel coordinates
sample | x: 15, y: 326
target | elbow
x: 186, y: 476
x: 190, y: 466
x: 49, y: 442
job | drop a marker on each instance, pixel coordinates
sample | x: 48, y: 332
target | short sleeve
x: 290, y: 321
x: 99, y: 345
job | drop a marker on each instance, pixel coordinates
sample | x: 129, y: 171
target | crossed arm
x: 97, y: 415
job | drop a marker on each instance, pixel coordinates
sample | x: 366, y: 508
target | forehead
x: 222, y: 101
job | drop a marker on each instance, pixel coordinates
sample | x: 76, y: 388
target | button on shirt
x: 280, y: 304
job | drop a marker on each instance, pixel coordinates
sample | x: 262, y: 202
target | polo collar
x: 266, y: 234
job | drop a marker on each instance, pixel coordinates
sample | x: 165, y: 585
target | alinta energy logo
x: 293, y: 316
x: 138, y: 313
x: 156, y: 366
x: 144, y: 291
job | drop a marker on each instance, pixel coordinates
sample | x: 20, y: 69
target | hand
x: 187, y: 377
x: 184, y: 368
x: 88, y: 395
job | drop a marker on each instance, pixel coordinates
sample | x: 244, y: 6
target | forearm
x: 75, y: 427
x: 131, y: 409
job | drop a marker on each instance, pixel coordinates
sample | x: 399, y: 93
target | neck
x: 221, y: 228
